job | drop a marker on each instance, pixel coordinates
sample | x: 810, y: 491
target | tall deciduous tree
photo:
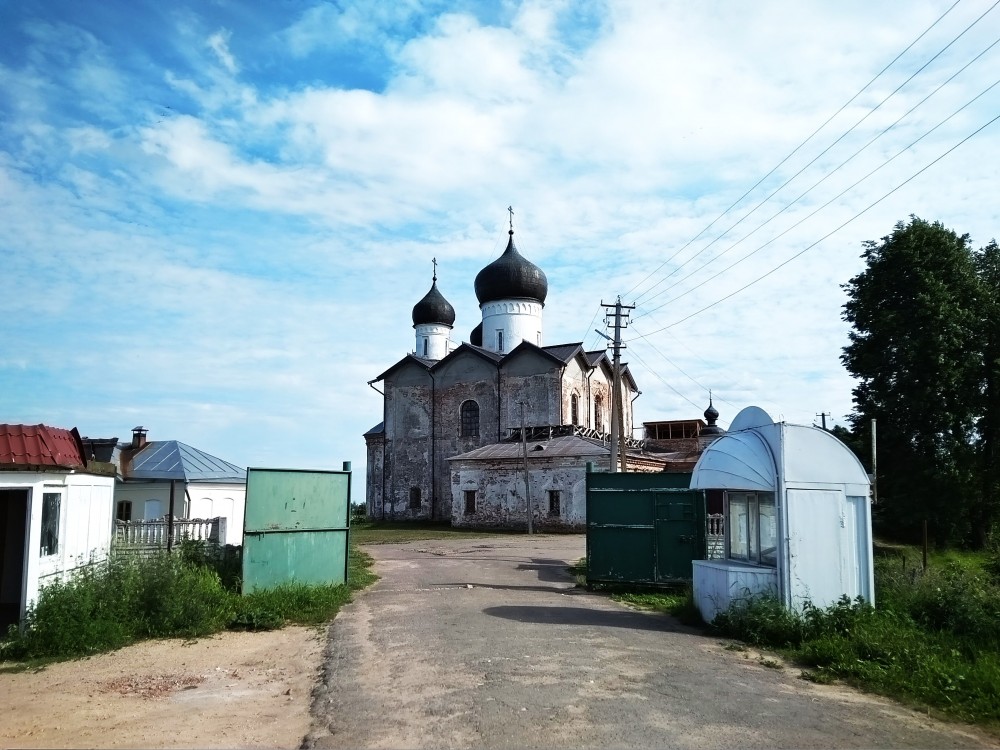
x: 987, y: 512
x: 915, y: 352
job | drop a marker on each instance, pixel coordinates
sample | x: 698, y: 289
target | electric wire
x: 657, y: 375
x: 833, y: 231
x: 819, y: 155
x: 794, y: 151
x: 818, y: 183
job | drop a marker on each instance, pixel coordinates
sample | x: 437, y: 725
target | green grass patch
x: 182, y: 595
x: 933, y: 639
x: 387, y: 532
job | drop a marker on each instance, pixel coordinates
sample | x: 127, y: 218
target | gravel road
x: 486, y: 643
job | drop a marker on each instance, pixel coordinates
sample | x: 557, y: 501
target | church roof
x: 433, y: 308
x: 562, y: 447
x: 564, y: 352
x: 378, y: 429
x: 408, y: 359
x: 511, y: 276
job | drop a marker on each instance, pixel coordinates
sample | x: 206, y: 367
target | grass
x: 933, y: 640
x: 190, y: 594
x: 387, y: 532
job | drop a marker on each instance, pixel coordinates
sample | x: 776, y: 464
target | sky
x: 216, y: 217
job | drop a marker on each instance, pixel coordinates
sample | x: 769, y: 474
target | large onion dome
x: 511, y: 277
x: 433, y: 308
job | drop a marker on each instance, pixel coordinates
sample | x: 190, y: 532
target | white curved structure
x: 508, y: 322
x: 798, y: 517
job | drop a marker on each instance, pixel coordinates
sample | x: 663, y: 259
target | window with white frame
x: 752, y: 527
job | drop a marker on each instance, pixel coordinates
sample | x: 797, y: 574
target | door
x: 13, y: 545
x: 679, y: 534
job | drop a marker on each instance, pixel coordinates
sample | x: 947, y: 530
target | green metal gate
x: 643, y: 528
x: 296, y: 527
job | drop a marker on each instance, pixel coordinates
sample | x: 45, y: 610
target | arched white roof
x: 814, y: 456
x: 737, y: 461
x: 747, y: 457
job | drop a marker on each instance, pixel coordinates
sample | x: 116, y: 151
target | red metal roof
x: 39, y: 445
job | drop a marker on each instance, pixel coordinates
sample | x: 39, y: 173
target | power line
x: 822, y: 153
x: 819, y: 182
x: 837, y: 229
x: 657, y: 375
x: 796, y: 149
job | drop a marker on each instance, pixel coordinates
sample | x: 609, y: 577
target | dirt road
x: 485, y: 643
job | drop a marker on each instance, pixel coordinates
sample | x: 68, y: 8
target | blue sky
x: 217, y: 216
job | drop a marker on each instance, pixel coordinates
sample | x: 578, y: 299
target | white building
x: 163, y: 476
x: 56, y: 511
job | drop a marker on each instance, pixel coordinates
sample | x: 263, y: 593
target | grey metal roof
x: 563, y: 352
x: 172, y: 459
x: 560, y: 447
x: 378, y: 429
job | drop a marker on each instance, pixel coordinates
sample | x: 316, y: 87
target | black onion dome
x: 476, y: 337
x: 511, y: 277
x: 433, y: 308
x: 712, y: 414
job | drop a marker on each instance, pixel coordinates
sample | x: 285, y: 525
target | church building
x: 447, y: 406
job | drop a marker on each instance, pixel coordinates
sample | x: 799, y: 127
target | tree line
x: 925, y: 348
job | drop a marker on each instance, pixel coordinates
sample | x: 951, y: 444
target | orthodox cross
x: 510, y: 210
x: 435, y: 262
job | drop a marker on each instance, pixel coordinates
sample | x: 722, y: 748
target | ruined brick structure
x: 442, y: 401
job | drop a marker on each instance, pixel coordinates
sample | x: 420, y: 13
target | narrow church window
x: 553, y: 502
x: 470, y: 502
x: 574, y: 408
x: 499, y: 341
x: 425, y: 347
x: 470, y: 419
x: 414, y: 498
x: 598, y: 408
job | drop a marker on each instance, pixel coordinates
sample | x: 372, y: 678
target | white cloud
x: 219, y: 44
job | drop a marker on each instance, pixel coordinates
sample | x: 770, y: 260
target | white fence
x: 153, y: 534
x: 715, y: 537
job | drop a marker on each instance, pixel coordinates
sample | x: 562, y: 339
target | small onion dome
x: 433, y: 308
x: 476, y: 337
x: 511, y: 277
x: 712, y: 414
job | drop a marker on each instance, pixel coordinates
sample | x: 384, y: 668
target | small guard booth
x: 797, y: 517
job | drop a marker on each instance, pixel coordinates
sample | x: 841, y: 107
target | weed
x: 770, y: 663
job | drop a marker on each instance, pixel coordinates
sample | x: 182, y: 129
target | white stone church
x: 449, y: 445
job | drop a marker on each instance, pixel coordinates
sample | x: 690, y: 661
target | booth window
x: 50, y: 523
x: 752, y: 528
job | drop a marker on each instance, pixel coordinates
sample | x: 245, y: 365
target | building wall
x: 220, y: 500
x: 86, y: 511
x: 375, y: 445
x: 500, y: 499
x: 408, y: 407
x: 151, y: 500
x: 466, y: 378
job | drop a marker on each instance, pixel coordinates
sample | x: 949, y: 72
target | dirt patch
x: 229, y: 690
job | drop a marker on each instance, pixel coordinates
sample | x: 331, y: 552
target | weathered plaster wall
x: 408, y: 406
x: 373, y: 475
x: 500, y: 500
x: 466, y: 378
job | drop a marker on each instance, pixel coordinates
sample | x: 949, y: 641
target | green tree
x: 914, y: 350
x: 987, y: 511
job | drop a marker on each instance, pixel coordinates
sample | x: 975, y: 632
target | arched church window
x: 598, y: 413
x: 470, y: 419
x: 574, y: 409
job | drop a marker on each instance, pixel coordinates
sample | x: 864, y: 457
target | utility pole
x: 823, y: 415
x: 617, y: 417
x: 524, y: 452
